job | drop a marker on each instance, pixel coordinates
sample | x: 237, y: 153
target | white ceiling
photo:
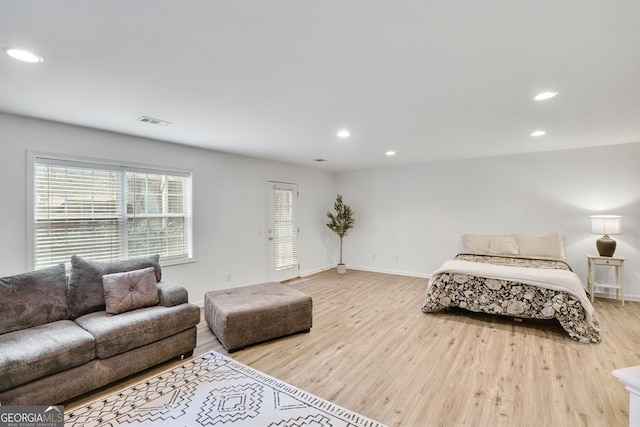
x: 431, y: 80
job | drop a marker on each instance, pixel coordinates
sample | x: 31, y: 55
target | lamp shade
x: 606, y: 224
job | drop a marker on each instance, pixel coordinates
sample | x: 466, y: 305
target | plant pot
x: 342, y: 268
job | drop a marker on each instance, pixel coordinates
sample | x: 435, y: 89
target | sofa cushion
x: 29, y: 354
x: 33, y: 299
x: 126, y: 331
x: 86, y: 292
x: 172, y: 294
x: 130, y: 290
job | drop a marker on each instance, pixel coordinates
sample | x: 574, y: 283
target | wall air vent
x: 153, y: 121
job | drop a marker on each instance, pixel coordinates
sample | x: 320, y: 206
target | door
x: 282, y: 231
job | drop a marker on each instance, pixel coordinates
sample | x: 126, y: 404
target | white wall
x: 410, y: 219
x: 229, y: 201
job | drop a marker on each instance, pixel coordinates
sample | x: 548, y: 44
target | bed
x: 520, y: 276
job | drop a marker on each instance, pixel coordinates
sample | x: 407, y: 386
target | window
x: 108, y: 212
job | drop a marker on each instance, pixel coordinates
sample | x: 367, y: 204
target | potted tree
x: 341, y: 223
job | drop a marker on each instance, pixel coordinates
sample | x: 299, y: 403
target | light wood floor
x: 373, y: 351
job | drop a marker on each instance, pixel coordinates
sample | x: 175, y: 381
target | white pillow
x: 494, y: 244
x: 476, y: 243
x: 549, y: 245
x: 503, y: 245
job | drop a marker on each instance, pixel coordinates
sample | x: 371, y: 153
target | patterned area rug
x: 213, y: 390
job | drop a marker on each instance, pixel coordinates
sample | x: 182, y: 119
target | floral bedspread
x: 510, y: 298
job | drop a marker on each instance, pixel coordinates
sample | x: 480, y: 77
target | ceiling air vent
x: 153, y: 121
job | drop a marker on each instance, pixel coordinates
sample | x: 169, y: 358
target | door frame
x: 271, y: 273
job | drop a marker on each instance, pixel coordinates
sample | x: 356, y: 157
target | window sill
x: 173, y: 262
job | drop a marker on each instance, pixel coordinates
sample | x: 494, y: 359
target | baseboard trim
x: 362, y: 268
x: 387, y: 271
x: 634, y: 298
x: 316, y: 270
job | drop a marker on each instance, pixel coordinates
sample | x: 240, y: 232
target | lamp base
x: 606, y: 246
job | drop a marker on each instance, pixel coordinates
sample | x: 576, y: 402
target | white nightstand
x: 630, y: 377
x: 617, y: 263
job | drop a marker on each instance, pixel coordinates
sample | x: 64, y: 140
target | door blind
x: 286, y: 230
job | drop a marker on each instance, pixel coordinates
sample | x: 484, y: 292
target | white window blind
x: 77, y: 211
x: 106, y: 212
x: 156, y: 214
x: 286, y: 231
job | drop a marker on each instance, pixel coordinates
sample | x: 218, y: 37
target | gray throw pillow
x: 130, y: 290
x: 86, y: 292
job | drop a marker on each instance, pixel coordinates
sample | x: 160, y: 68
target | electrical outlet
x: 228, y: 277
x: 373, y: 256
x: 397, y: 258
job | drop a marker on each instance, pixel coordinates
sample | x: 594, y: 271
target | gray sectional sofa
x: 61, y: 336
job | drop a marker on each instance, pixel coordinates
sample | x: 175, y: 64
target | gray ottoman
x: 251, y: 314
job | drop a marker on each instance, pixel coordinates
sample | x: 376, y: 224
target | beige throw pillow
x: 493, y: 244
x: 548, y: 245
x: 130, y: 290
x: 476, y: 243
x: 503, y: 245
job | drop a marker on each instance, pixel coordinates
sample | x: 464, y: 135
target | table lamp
x: 606, y: 225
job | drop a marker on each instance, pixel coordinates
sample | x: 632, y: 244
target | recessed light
x: 343, y: 133
x: 545, y: 95
x: 538, y: 133
x: 23, y: 55
x: 390, y: 153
